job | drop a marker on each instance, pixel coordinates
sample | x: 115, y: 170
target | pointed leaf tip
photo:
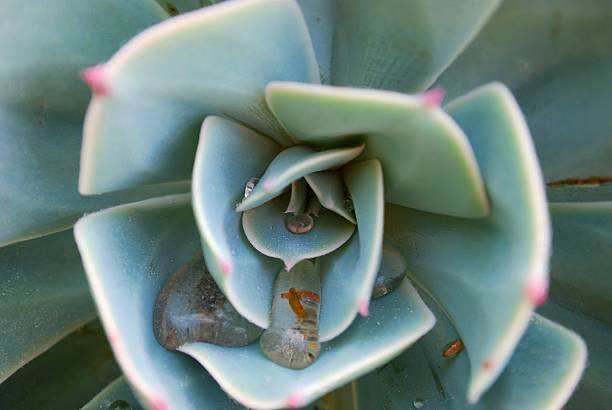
x: 537, y: 291
x: 95, y: 78
x: 296, y: 401
x: 363, y: 307
x: 433, y: 97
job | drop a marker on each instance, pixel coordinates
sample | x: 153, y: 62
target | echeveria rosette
x: 144, y: 131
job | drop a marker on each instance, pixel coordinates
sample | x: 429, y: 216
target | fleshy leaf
x: 299, y: 193
x: 294, y: 163
x: 542, y: 373
x: 593, y: 392
x: 554, y: 57
x: 395, y: 322
x: 44, y: 297
x: 329, y: 189
x: 392, y: 45
x: 44, y: 46
x: 581, y: 265
x: 349, y: 273
x: 580, y: 193
x: 224, y: 164
x: 129, y: 252
x: 66, y: 376
x: 493, y: 269
x: 319, y: 16
x: 117, y: 394
x: 39, y: 154
x: 265, y: 227
x: 216, y: 61
x: 427, y: 160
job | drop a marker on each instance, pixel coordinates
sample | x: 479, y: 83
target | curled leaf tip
x: 295, y: 401
x: 433, y: 97
x: 537, y: 292
x: 94, y: 77
x: 363, y: 307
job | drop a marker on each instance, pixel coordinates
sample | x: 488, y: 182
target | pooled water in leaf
x: 391, y: 273
x: 299, y: 223
x: 292, y: 340
x: 192, y: 308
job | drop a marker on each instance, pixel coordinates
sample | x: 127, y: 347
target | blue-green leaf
x: 329, y: 189
x: 579, y: 193
x: 394, y: 45
x: 294, y: 163
x: 319, y: 16
x: 555, y: 57
x: 594, y: 391
x: 216, y: 60
x: 43, y: 297
x: 66, y: 376
x: 581, y: 265
x: 542, y: 373
x: 44, y: 45
x: 129, y: 252
x: 38, y: 176
x: 265, y: 227
x: 117, y: 394
x: 493, y: 269
x: 349, y: 273
x: 225, y: 162
x: 427, y: 160
x: 395, y: 322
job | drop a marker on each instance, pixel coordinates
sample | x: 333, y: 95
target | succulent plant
x: 304, y: 147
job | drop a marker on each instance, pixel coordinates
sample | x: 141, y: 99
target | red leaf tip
x: 537, y: 292
x: 363, y: 307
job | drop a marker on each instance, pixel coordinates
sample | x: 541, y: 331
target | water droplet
x: 250, y: 185
x: 300, y: 223
x: 453, y: 349
x: 292, y: 340
x: 192, y: 308
x: 348, y: 204
x: 418, y: 403
x: 391, y: 273
x: 120, y: 405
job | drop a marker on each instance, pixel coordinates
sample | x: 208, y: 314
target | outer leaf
x: 292, y: 164
x: 554, y: 56
x: 129, y: 252
x: 216, y: 60
x: 581, y: 265
x: 44, y: 45
x: 580, y: 193
x: 593, y: 392
x: 66, y: 376
x: 44, y: 296
x: 117, y: 392
x: 494, y: 269
x: 541, y: 375
x: 349, y: 274
x: 224, y: 164
x: 396, y: 321
x: 38, y: 176
x: 265, y: 227
x: 394, y: 45
x: 319, y: 16
x: 427, y: 160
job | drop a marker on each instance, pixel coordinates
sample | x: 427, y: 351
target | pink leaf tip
x: 95, y: 79
x: 433, y: 97
x: 159, y: 404
x: 363, y: 307
x: 537, y: 292
x: 226, y: 268
x: 295, y: 401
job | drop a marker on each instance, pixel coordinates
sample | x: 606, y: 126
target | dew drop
x: 299, y: 223
x: 192, y: 308
x: 391, y: 273
x: 292, y: 340
x: 250, y: 185
x: 418, y: 403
